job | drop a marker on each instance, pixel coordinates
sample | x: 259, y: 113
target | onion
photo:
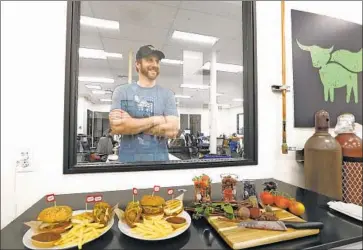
x: 243, y: 213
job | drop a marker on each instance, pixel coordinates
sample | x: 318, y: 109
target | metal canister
x: 323, y: 159
x: 352, y: 159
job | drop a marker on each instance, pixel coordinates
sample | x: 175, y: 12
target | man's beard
x: 146, y: 72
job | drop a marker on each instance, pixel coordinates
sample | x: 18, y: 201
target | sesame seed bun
x: 55, y: 214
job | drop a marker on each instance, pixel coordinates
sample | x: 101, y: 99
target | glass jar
x: 202, y: 188
x: 352, y: 159
x: 249, y: 189
x: 229, y: 191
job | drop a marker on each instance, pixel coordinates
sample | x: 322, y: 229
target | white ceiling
x: 153, y: 22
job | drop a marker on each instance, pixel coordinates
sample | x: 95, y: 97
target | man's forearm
x: 169, y: 130
x: 132, y: 126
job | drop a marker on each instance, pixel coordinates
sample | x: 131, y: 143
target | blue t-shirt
x: 142, y: 102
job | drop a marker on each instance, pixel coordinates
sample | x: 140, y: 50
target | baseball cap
x: 147, y: 50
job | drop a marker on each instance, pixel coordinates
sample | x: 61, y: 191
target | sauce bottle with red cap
x: 352, y: 159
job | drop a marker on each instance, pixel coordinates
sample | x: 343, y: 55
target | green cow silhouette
x: 337, y: 69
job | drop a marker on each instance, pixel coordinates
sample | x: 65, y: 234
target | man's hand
x: 169, y: 129
x: 122, y: 123
x: 117, y: 115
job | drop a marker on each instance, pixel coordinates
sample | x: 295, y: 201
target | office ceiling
x: 153, y: 22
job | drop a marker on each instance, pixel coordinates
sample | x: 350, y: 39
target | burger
x: 152, y: 207
x: 55, y: 219
x: 173, y: 207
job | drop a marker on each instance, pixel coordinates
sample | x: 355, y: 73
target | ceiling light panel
x: 194, y: 86
x: 183, y: 96
x: 97, y: 54
x: 101, y: 92
x: 237, y: 100
x: 93, y: 86
x: 171, y: 61
x: 193, y: 37
x: 105, y: 100
x: 233, y: 68
x: 99, y: 23
x: 95, y: 79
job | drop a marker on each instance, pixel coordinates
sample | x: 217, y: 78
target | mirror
x: 159, y: 84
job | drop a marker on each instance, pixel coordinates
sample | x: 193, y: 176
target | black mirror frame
x: 70, y: 165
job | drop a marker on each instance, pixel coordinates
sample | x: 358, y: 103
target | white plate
x: 348, y: 209
x: 27, y: 236
x: 125, y: 229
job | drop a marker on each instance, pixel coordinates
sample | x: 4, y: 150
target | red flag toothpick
x: 98, y: 198
x: 89, y: 199
x: 156, y: 189
x: 171, y: 192
x: 134, y: 192
x: 51, y: 198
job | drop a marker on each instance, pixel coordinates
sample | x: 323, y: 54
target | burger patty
x: 152, y: 209
x: 50, y: 226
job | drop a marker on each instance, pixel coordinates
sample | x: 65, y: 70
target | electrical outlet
x: 23, y: 164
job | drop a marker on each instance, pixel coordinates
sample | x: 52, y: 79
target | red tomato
x: 283, y: 202
x: 277, y: 198
x: 267, y: 198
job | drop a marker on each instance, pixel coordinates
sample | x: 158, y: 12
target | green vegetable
x: 228, y: 209
x: 205, y: 209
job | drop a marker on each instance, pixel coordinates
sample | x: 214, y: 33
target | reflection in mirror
x: 160, y: 81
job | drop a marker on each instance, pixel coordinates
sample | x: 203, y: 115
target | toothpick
x: 55, y: 203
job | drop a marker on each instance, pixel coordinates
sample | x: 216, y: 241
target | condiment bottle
x: 352, y: 159
x: 323, y: 160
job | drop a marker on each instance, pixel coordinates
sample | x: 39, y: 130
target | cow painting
x: 336, y: 69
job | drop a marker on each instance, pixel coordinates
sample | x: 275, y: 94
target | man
x: 106, y: 143
x: 144, y: 113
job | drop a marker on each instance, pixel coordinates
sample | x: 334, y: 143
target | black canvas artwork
x: 327, y: 67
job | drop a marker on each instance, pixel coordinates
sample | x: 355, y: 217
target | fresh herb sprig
x: 206, y: 209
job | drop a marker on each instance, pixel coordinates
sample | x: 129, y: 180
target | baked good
x: 55, y: 219
x: 55, y: 214
x: 173, y: 207
x: 83, y: 217
x: 45, y: 240
x: 152, y: 207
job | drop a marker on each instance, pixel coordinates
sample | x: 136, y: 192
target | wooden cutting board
x: 241, y: 238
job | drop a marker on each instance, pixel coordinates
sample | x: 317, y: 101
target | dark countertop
x: 338, y: 229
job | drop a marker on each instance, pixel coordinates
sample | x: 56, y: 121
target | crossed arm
x: 122, y: 123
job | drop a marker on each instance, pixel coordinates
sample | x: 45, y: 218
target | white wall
x: 269, y: 61
x: 40, y: 58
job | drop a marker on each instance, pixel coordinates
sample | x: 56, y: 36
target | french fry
x: 153, y: 229
x: 81, y: 233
